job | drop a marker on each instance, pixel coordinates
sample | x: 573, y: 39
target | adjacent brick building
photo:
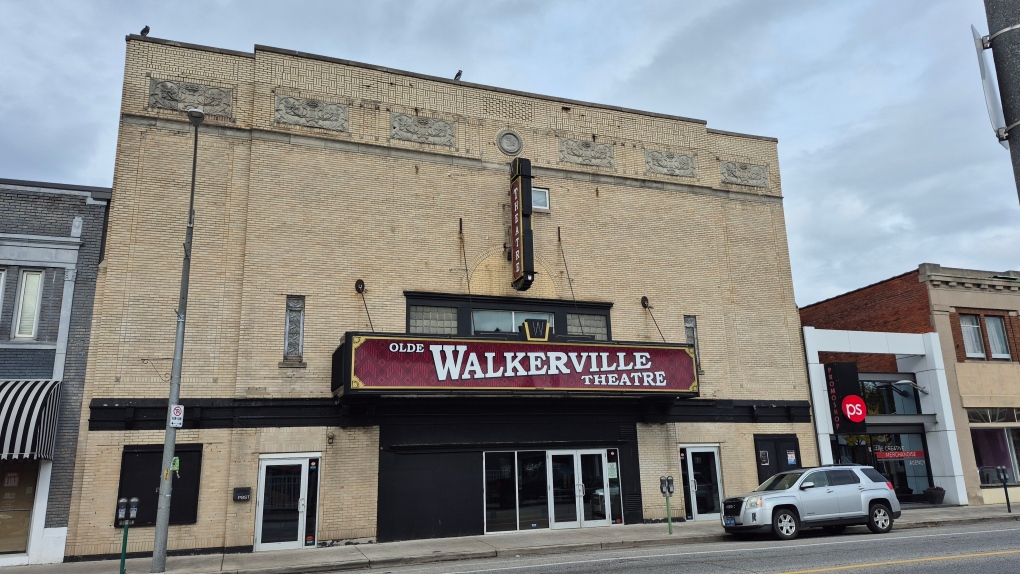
x: 51, y: 238
x: 975, y: 314
x: 344, y: 209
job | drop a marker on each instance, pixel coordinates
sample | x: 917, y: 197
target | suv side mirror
x: 806, y: 485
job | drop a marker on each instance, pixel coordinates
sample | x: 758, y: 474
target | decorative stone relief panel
x: 422, y: 130
x: 586, y: 153
x: 744, y: 174
x: 182, y: 96
x: 669, y: 163
x: 311, y: 113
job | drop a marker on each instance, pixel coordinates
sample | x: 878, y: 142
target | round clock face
x: 509, y: 142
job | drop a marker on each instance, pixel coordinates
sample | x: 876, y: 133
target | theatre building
x: 423, y: 308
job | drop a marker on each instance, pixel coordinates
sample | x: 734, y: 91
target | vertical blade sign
x: 522, y: 254
x: 847, y: 408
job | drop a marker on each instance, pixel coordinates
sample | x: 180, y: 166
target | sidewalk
x: 489, y: 546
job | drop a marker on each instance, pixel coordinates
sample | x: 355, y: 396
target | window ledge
x: 293, y: 364
x: 26, y: 344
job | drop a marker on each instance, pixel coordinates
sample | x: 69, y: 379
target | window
x: 971, y: 327
x: 996, y: 337
x: 983, y: 334
x: 595, y: 326
x: 539, y: 199
x: 294, y: 341
x: 818, y: 478
x: 505, y: 321
x: 26, y: 314
x: 840, y: 477
x: 993, y: 448
x: 993, y: 415
x: 433, y: 320
x: 500, y: 317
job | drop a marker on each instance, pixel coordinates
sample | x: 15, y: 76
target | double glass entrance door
x: 578, y: 488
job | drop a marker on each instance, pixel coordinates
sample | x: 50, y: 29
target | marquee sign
x: 522, y: 250
x: 373, y: 363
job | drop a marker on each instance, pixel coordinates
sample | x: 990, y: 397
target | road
x: 988, y: 548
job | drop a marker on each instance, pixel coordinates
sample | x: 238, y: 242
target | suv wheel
x: 785, y: 524
x: 879, y: 519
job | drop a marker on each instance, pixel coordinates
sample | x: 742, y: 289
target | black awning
x: 28, y: 418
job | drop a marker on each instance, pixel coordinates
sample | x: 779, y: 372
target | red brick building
x: 975, y: 314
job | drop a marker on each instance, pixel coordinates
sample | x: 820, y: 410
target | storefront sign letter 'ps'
x: 522, y: 255
x: 843, y: 390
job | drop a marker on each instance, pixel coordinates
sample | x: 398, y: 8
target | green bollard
x: 669, y: 519
x: 123, y: 548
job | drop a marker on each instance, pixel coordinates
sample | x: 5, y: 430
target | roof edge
x: 98, y: 192
x: 740, y: 135
x: 139, y: 38
x: 901, y: 275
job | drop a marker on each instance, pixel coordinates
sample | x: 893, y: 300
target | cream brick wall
x: 659, y: 446
x: 292, y: 210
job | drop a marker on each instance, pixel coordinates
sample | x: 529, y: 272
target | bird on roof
x: 457, y: 77
x: 145, y: 31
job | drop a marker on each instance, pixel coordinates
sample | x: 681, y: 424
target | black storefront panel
x: 431, y: 476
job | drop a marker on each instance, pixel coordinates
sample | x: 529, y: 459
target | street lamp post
x: 170, y: 441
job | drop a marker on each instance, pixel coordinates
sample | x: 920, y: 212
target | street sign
x: 177, y: 416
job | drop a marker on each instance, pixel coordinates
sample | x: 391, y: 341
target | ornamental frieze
x: 744, y: 173
x: 586, y: 153
x: 422, y: 130
x: 182, y: 96
x: 669, y: 163
x: 311, y: 113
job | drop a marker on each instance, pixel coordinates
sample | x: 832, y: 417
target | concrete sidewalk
x: 488, y: 546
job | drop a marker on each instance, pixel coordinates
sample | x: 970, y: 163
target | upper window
x: 505, y: 321
x: 971, y: 327
x: 501, y: 317
x: 997, y: 337
x: 984, y: 335
x: 539, y: 199
x: 295, y: 328
x: 839, y: 477
x: 26, y: 313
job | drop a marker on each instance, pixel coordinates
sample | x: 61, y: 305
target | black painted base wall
x: 431, y: 477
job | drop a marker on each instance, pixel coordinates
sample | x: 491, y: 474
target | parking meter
x: 662, y: 485
x: 1004, y: 478
x: 132, y: 509
x: 669, y: 485
x: 666, y: 486
x: 121, y: 510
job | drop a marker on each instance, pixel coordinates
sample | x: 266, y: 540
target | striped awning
x: 28, y: 418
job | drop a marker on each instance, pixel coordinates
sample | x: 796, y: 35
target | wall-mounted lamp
x: 359, y: 286
x: 921, y: 389
x: 329, y: 438
x: 648, y: 307
x: 645, y: 303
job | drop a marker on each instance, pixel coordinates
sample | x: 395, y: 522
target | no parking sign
x: 177, y: 416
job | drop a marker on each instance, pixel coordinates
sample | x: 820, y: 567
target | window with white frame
x: 26, y: 312
x: 971, y: 327
x: 294, y: 342
x: 996, y: 329
x: 984, y: 335
x: 995, y: 448
x: 539, y: 199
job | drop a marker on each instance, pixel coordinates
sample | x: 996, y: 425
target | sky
x: 886, y: 154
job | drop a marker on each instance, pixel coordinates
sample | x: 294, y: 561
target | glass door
x: 578, y: 488
x: 282, y: 517
x: 703, y: 488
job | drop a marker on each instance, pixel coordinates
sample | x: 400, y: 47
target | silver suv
x: 832, y: 497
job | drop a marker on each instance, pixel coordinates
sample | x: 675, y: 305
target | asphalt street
x: 979, y: 548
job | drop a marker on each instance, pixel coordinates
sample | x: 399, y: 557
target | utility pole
x: 1004, y: 37
x: 170, y: 441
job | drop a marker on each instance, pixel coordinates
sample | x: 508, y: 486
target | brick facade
x: 285, y: 209
x: 45, y: 211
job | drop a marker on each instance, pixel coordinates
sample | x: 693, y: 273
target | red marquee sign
x: 388, y: 363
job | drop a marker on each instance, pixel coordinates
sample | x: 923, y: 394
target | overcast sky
x: 886, y: 154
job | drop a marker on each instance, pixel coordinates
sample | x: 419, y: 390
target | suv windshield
x: 781, y: 481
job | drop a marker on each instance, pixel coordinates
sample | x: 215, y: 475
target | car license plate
x: 729, y: 521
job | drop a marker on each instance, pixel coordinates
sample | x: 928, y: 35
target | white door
x: 704, y: 484
x: 578, y: 488
x: 281, y: 511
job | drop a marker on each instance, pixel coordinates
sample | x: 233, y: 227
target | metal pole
x: 1002, y: 14
x: 669, y: 515
x: 123, y: 548
x: 170, y: 441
